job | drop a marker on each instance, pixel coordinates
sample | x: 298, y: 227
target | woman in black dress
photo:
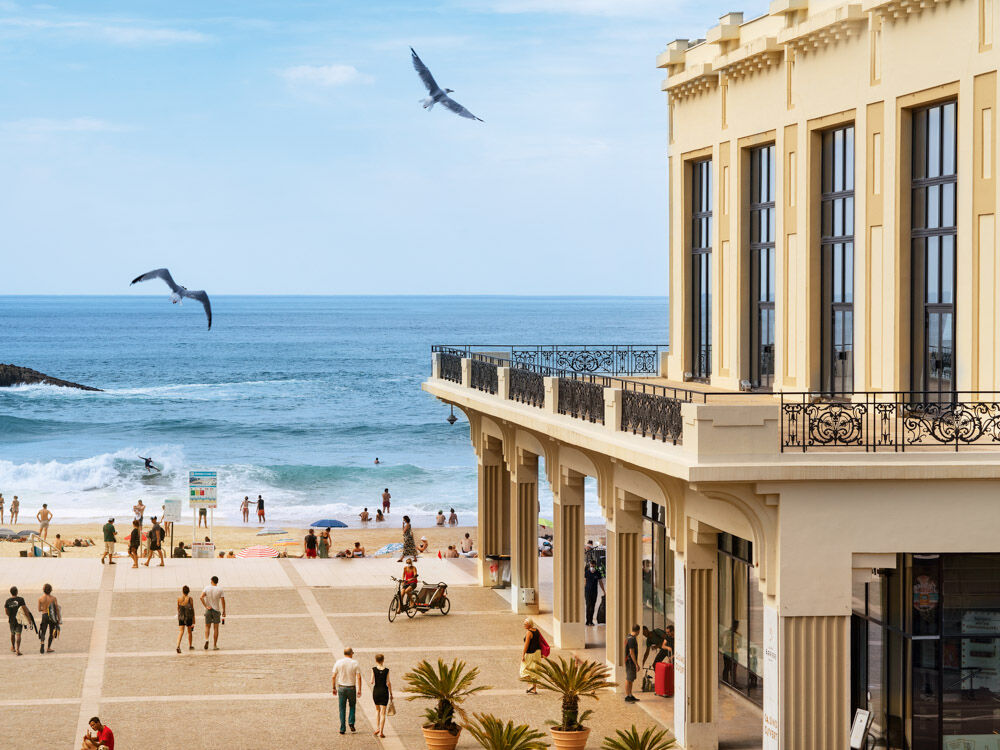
x: 381, y: 693
x: 185, y: 618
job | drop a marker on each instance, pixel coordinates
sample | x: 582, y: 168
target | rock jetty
x: 14, y: 375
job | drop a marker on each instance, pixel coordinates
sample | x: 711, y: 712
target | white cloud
x: 324, y: 76
x: 47, y: 125
x: 115, y: 33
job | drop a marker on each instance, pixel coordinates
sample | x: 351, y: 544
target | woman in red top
x: 409, y: 580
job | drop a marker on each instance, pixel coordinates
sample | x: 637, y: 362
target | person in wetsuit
x: 149, y: 464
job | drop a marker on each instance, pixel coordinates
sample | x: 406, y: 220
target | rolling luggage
x: 663, y: 682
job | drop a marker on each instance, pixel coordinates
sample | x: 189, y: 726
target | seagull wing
x: 203, y: 299
x: 425, y: 74
x: 457, y: 108
x: 159, y: 273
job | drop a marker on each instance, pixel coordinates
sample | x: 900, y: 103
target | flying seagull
x: 437, y: 94
x: 177, y: 292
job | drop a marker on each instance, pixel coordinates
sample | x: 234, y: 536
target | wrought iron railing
x: 592, y: 359
x: 581, y: 399
x: 451, y: 367
x: 650, y: 414
x: 484, y: 376
x: 526, y: 386
x: 895, y: 421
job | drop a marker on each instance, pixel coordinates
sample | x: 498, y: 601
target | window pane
x: 948, y: 269
x: 849, y: 158
x: 934, y: 142
x: 948, y: 139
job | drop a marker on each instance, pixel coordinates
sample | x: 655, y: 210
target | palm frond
x: 448, y: 685
x: 571, y: 678
x: 630, y: 739
x: 492, y: 734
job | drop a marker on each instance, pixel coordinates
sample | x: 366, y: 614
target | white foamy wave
x: 107, y: 471
x: 229, y: 391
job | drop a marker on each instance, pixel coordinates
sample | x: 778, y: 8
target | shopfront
x: 657, y: 569
x: 741, y: 619
x: 925, y: 647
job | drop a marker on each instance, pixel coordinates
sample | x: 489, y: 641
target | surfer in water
x: 150, y: 466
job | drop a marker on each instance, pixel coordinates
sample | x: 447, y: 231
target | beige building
x: 804, y: 481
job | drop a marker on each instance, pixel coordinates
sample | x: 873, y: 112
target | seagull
x: 437, y: 95
x: 177, y: 292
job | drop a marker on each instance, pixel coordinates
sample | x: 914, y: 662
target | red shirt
x: 106, y: 737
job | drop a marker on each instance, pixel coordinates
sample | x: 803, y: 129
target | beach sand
x: 237, y: 537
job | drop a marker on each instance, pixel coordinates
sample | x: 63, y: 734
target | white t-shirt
x: 213, y: 596
x: 346, y: 671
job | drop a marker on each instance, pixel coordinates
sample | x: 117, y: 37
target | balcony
x: 621, y: 388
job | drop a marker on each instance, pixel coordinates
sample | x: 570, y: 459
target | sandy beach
x: 236, y: 538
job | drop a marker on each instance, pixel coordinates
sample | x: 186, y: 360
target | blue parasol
x: 331, y: 523
x: 390, y: 548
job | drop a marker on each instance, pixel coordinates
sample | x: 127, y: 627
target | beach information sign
x: 203, y: 490
x: 172, y: 509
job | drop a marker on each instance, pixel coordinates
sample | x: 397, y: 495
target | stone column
x: 524, y: 530
x: 494, y: 489
x: 624, y: 580
x: 696, y: 651
x: 567, y: 564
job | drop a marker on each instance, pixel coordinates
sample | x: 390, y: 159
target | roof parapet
x: 727, y: 30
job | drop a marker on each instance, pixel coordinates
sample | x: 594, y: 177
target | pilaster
x: 524, y: 530
x: 567, y: 563
x: 494, y: 488
x: 624, y: 578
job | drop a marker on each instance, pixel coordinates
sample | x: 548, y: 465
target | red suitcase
x: 663, y: 681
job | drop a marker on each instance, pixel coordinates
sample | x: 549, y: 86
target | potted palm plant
x: 572, y: 679
x: 448, y: 686
x: 491, y: 733
x: 630, y: 739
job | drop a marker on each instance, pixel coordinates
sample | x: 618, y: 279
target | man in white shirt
x: 211, y: 597
x: 347, y: 687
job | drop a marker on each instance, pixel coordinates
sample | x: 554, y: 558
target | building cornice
x: 757, y: 56
x: 825, y: 29
x: 894, y: 10
x: 696, y: 80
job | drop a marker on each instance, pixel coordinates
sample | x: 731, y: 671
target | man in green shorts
x: 109, y: 541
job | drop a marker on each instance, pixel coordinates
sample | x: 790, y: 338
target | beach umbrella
x: 271, y: 532
x: 7, y: 533
x: 545, y: 522
x: 284, y: 542
x: 332, y: 523
x: 257, y: 550
x: 388, y: 549
x: 24, y: 534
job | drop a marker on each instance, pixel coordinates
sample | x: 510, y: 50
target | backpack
x: 545, y: 648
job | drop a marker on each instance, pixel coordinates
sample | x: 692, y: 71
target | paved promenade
x: 269, y: 685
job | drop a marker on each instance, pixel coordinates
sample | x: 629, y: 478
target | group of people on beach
x: 15, y: 509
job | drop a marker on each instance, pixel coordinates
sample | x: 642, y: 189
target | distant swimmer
x: 150, y: 466
x: 377, y: 461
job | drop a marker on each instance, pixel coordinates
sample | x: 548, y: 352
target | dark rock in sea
x: 14, y: 375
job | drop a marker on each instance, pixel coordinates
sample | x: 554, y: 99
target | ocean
x: 288, y: 397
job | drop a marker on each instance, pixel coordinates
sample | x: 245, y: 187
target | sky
x: 279, y: 147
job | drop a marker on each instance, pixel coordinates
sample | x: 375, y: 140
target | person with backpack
x: 532, y: 652
x: 155, y: 539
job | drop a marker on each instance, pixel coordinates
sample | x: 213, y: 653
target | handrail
x: 33, y: 537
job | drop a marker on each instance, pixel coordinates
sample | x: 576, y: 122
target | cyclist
x: 409, y: 581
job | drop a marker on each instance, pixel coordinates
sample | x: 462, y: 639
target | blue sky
x: 279, y: 147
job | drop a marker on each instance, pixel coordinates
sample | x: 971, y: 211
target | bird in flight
x: 437, y: 94
x: 177, y: 292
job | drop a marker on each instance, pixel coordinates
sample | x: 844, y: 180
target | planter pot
x: 440, y: 739
x: 570, y: 740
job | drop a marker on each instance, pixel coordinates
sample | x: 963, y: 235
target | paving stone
x: 238, y: 601
x: 376, y: 599
x: 237, y: 634
x: 432, y: 630
x: 32, y: 727
x: 34, y: 676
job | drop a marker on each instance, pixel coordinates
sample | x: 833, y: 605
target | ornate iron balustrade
x: 592, y: 359
x: 895, y: 421
x: 484, y: 376
x: 526, y: 386
x: 581, y: 399
x: 451, y: 367
x: 652, y: 414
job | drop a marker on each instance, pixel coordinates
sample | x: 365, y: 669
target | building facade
x: 805, y: 481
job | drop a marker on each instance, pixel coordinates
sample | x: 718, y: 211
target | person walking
x: 44, y: 516
x: 185, y: 618
x: 212, y: 596
x: 592, y: 580
x: 15, y: 508
x: 12, y: 607
x: 245, y: 508
x: 324, y: 544
x: 409, y: 546
x: 386, y: 497
x: 310, y: 544
x: 134, y: 542
x: 260, y: 510
x: 381, y: 693
x: 531, y: 653
x: 110, y: 535
x: 347, y: 688
x: 155, y: 539
x: 1, y: 507
x: 48, y: 606
x: 631, y: 663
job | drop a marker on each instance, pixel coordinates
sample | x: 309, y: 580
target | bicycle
x: 428, y: 598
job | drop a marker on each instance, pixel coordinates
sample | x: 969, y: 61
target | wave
x: 171, y: 391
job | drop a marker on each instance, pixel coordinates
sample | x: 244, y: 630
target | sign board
x: 859, y: 728
x: 172, y: 510
x: 203, y: 491
x: 680, y: 652
x: 202, y: 549
x: 772, y: 725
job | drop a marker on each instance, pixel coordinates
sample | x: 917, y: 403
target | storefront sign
x: 203, y: 489
x: 680, y: 651
x: 203, y: 549
x: 171, y: 510
x: 970, y: 742
x: 772, y: 727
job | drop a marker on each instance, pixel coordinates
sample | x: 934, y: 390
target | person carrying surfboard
x: 150, y: 466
